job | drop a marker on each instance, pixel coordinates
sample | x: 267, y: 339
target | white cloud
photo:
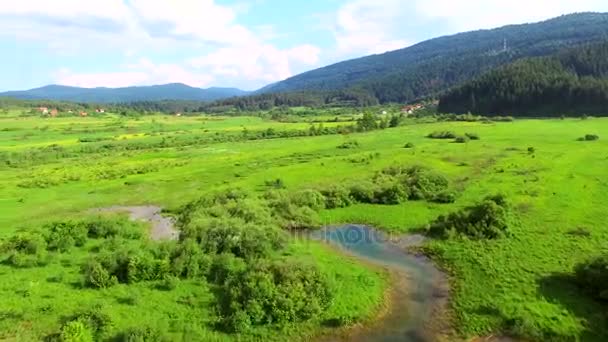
x: 257, y: 61
x: 367, y: 27
x: 148, y: 27
x: 144, y: 72
x: 479, y: 14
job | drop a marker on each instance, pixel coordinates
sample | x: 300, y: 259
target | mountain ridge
x: 437, y: 64
x: 169, y: 91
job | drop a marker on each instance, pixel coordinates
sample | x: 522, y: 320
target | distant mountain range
x: 406, y: 75
x: 173, y: 91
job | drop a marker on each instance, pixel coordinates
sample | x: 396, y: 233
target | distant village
x: 54, y: 112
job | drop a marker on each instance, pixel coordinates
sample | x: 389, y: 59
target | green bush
x: 225, y: 267
x: 390, y: 192
x: 64, y: 235
x: 425, y: 184
x: 97, y: 323
x: 75, y: 331
x: 472, y: 136
x: 442, y: 135
x: 142, y: 334
x: 589, y: 137
x: 486, y: 220
x: 592, y: 277
x: 25, y: 250
x: 409, y: 145
x: 189, y: 260
x: 461, y: 140
x: 126, y: 265
x: 104, y: 228
x: 277, y: 293
x: 97, y: 276
x: 351, y: 144
x: 362, y: 192
x: 444, y: 197
x: 336, y: 196
x: 308, y: 198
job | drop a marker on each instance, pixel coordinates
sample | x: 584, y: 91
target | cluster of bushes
x: 486, y: 220
x: 273, y: 292
x: 589, y: 137
x: 349, y: 145
x: 29, y: 249
x: 392, y: 185
x: 592, y: 276
x: 442, y: 135
x: 232, y: 241
x: 451, y: 135
x: 94, y: 325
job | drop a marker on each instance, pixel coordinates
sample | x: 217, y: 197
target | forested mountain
x: 437, y: 64
x: 174, y: 91
x: 571, y: 82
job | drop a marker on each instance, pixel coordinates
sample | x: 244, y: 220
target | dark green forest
x: 573, y: 82
x: 432, y: 66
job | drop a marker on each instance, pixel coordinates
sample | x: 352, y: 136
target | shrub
x: 444, y: 197
x: 25, y: 250
x: 225, y: 267
x: 308, y: 198
x: 531, y: 150
x: 277, y: 183
x: 589, y: 137
x: 75, y: 331
x: 97, y: 276
x: 103, y: 228
x: 409, y: 145
x: 64, y: 235
x: 336, y: 197
x: 592, y: 276
x: 461, y: 140
x: 189, y: 260
x: 349, y: 145
x: 278, y: 292
x: 142, y: 334
x: 362, y: 192
x: 442, y: 135
x: 390, y: 192
x: 94, y: 320
x: 472, y: 136
x: 169, y: 283
x: 425, y: 184
x: 487, y: 220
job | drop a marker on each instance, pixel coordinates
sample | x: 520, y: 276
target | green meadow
x: 56, y: 169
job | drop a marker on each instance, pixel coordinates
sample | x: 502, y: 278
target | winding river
x: 419, y: 289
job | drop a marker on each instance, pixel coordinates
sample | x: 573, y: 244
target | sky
x: 228, y: 43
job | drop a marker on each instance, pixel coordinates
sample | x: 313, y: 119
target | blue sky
x: 240, y: 43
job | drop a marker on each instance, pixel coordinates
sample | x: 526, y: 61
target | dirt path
x: 162, y: 227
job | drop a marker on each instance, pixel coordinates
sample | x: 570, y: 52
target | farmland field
x: 58, y: 169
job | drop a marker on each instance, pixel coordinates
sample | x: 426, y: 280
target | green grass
x: 510, y: 285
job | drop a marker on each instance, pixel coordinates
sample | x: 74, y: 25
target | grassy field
x: 512, y: 285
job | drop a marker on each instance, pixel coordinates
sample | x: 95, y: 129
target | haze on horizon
x: 227, y: 43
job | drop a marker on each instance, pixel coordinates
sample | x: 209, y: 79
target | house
x: 83, y: 114
x: 178, y: 114
x: 384, y: 112
x: 100, y: 110
x: 43, y: 110
x: 53, y: 112
x: 411, y: 108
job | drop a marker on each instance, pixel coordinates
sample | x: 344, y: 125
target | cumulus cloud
x: 146, y: 27
x: 480, y: 14
x: 144, y: 72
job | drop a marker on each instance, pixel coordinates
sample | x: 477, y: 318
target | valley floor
x: 54, y: 169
